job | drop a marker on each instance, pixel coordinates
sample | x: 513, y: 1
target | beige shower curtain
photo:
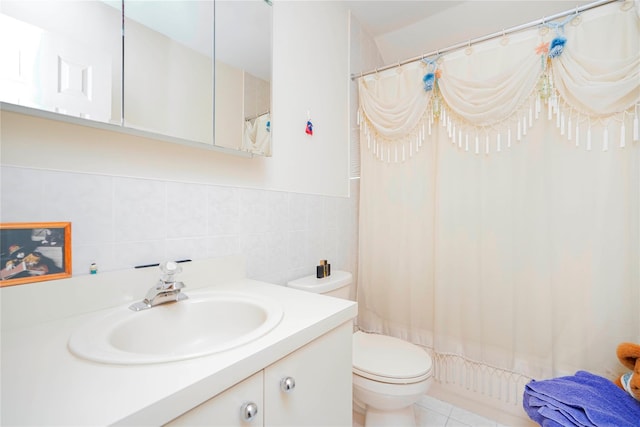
x: 498, y: 228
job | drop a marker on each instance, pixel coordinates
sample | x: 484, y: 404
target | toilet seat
x: 389, y: 360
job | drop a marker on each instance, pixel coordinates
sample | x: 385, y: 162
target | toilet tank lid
x: 336, y: 280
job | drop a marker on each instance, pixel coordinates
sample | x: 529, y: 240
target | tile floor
x: 431, y: 412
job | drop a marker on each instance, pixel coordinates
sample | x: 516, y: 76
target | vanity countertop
x: 45, y: 384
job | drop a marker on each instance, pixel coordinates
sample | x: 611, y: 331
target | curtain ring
x: 505, y: 39
x: 626, y: 5
x: 543, y: 27
x: 468, y: 50
x: 577, y: 19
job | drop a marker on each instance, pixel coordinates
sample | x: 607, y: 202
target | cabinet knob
x: 287, y: 384
x: 248, y: 411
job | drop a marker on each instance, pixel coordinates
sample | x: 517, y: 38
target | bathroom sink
x: 204, y: 324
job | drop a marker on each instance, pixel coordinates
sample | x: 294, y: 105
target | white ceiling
x: 407, y: 29
x: 381, y: 17
x: 401, y: 29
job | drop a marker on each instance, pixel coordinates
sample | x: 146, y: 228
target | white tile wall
x: 120, y: 222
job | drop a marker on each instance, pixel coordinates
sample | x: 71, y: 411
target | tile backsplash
x: 120, y: 222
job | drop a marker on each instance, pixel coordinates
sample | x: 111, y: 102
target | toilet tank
x: 338, y: 284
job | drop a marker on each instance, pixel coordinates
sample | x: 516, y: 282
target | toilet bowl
x: 389, y: 375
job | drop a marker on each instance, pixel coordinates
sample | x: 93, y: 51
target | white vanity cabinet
x: 322, y: 374
x: 309, y: 387
x: 311, y: 345
x: 228, y: 408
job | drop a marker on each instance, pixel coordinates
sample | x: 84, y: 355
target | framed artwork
x: 34, y: 252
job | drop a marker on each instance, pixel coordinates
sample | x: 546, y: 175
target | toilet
x: 389, y: 374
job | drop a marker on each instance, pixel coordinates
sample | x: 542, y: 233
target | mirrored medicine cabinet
x: 186, y: 71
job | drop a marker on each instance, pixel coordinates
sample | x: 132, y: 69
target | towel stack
x: 582, y: 399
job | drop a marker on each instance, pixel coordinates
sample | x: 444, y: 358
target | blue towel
x: 582, y: 399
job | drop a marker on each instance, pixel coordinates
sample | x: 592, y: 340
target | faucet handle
x: 167, y: 289
x: 169, y: 269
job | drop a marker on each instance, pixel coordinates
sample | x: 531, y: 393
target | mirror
x: 63, y: 57
x: 168, y: 68
x: 160, y: 79
x: 170, y: 45
x: 243, y: 75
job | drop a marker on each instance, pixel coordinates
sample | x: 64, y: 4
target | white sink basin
x: 204, y: 324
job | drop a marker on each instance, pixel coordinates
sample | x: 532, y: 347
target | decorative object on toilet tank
x: 323, y: 270
x: 33, y: 252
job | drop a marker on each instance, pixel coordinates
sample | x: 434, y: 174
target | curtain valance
x: 490, y: 95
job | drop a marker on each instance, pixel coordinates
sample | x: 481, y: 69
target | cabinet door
x: 322, y: 393
x: 168, y: 75
x: 62, y: 56
x: 226, y: 409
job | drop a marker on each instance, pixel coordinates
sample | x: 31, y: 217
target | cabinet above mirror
x: 70, y: 61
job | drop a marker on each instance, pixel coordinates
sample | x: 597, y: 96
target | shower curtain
x: 500, y: 203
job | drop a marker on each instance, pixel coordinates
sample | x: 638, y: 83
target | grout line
x: 449, y: 418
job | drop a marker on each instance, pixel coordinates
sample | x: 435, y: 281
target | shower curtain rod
x: 488, y: 37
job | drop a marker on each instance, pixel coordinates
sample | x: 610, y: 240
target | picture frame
x: 34, y: 252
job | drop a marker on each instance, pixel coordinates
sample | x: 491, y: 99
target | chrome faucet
x: 167, y: 289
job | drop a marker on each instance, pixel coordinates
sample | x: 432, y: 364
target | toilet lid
x: 388, y: 359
